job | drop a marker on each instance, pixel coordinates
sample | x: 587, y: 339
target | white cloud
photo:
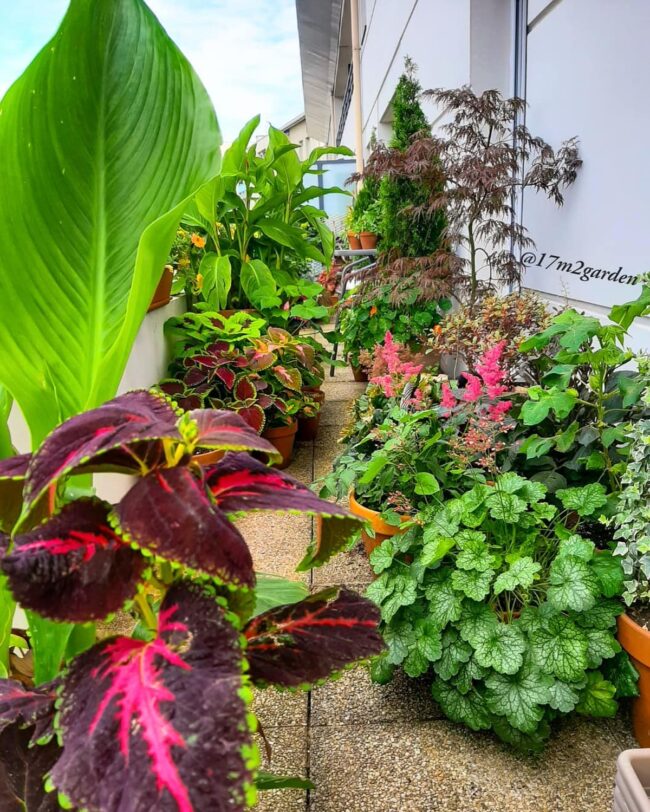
x: 245, y: 51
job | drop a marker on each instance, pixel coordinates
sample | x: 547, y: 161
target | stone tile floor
x: 370, y: 748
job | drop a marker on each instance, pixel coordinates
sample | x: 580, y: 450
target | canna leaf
x: 103, y: 139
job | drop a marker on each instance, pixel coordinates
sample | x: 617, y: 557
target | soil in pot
x: 354, y: 241
x: 308, y: 426
x: 635, y: 639
x: 381, y: 529
x: 283, y: 438
x: 368, y: 240
x: 163, y: 293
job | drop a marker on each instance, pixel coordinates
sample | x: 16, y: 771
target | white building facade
x: 583, y: 66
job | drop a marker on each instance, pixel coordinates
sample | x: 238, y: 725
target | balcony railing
x: 345, y: 107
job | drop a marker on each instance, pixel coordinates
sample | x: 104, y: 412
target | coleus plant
x: 158, y: 720
x: 509, y: 610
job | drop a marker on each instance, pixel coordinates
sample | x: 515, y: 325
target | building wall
x: 587, y: 67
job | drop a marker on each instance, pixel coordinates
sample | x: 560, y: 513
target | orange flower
x: 437, y: 330
x: 198, y: 240
x: 373, y: 310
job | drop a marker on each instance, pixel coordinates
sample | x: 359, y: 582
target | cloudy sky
x: 245, y: 51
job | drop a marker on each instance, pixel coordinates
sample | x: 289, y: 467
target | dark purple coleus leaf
x: 170, y: 513
x: 227, y: 377
x: 28, y: 707
x: 241, y: 483
x: 134, y: 418
x: 23, y: 770
x: 253, y: 415
x: 74, y: 567
x: 228, y: 431
x: 308, y: 641
x: 12, y: 478
x: 244, y: 389
x: 159, y: 725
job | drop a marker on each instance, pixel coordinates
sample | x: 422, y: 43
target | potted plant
x: 369, y: 224
x: 352, y: 230
x: 163, y: 294
x: 632, y: 533
x: 204, y: 632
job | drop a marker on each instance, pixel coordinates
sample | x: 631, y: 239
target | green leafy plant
x: 255, y: 216
x: 365, y: 321
x: 509, y: 611
x: 574, y: 424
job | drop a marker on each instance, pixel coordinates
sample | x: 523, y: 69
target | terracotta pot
x: 636, y: 641
x: 283, y: 438
x: 368, y: 240
x: 163, y: 293
x: 382, y: 530
x: 360, y: 374
x: 208, y: 457
x: 308, y: 426
x: 354, y: 241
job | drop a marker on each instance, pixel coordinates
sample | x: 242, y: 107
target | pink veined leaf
x: 28, y: 707
x: 310, y: 640
x: 142, y: 418
x: 74, y: 567
x: 170, y: 513
x: 258, y: 361
x: 159, y: 725
x: 240, y: 483
x: 279, y: 336
x: 288, y: 377
x: 229, y: 431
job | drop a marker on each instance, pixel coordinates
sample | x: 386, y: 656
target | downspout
x: 356, y: 79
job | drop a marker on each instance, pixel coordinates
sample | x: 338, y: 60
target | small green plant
x: 366, y: 320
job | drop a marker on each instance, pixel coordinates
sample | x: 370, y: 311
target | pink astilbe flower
x: 448, y: 399
x: 498, y: 410
x: 399, y: 371
x: 489, y: 368
x: 473, y: 389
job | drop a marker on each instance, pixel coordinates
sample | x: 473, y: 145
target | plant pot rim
x: 281, y: 431
x: 209, y: 457
x: 634, y: 638
x: 368, y: 233
x: 374, y: 517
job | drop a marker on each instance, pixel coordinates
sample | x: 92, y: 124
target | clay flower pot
x: 368, y: 240
x: 308, y: 426
x: 283, y: 438
x: 360, y: 374
x: 208, y: 458
x: 163, y: 293
x: 354, y: 241
x: 381, y: 529
x: 636, y: 641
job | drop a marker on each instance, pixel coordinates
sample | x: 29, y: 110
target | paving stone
x: 276, y: 708
x: 277, y: 542
x: 354, y: 699
x: 346, y: 569
x: 328, y: 440
x: 344, y: 390
x: 334, y: 413
x: 437, y: 766
x: 289, y: 757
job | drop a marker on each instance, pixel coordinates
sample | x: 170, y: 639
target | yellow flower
x: 198, y: 241
x: 199, y: 281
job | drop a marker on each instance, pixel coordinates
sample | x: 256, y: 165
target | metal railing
x: 345, y: 108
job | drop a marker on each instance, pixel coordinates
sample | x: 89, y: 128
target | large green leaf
x: 102, y: 140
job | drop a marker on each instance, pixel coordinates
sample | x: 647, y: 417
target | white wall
x: 588, y: 64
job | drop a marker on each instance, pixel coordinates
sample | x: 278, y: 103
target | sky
x: 245, y: 51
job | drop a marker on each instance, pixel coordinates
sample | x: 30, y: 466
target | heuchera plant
x: 159, y: 720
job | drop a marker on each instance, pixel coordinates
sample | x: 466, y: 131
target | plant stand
x: 632, y: 782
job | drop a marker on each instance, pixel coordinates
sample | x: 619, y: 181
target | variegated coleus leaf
x: 288, y: 377
x: 74, y: 567
x: 137, y: 417
x: 160, y: 725
x: 309, y: 641
x: 170, y: 513
x: 12, y: 478
x: 244, y: 389
x: 228, y: 431
x: 253, y: 414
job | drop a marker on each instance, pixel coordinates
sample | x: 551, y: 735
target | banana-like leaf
x: 103, y: 140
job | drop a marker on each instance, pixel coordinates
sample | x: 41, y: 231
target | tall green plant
x: 102, y: 140
x: 405, y: 235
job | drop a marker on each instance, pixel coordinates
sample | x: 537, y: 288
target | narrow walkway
x: 369, y: 748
